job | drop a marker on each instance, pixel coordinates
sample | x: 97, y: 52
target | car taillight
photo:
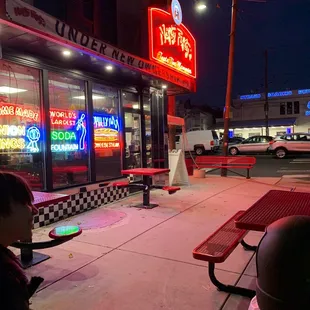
x: 212, y: 143
x: 271, y: 142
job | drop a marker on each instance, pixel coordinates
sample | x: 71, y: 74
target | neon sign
x: 106, y: 132
x: 81, y: 127
x: 106, y: 121
x: 14, y: 138
x: 253, y: 96
x: 171, y: 44
x: 64, y: 147
x: 21, y: 111
x: 33, y: 134
x: 12, y: 130
x: 63, y: 118
x: 58, y: 135
x: 74, y: 137
x: 303, y: 91
x: 280, y: 94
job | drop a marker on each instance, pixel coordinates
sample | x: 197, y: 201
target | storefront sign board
x: 50, y: 27
x: 171, y: 44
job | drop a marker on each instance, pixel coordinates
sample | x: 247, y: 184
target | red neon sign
x: 171, y: 45
x: 9, y: 109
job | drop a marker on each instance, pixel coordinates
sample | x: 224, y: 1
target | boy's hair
x: 13, y: 188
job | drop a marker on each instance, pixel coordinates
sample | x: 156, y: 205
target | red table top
x: 272, y: 207
x: 45, y: 199
x: 145, y: 171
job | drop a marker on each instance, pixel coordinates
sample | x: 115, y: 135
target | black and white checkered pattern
x: 78, y: 203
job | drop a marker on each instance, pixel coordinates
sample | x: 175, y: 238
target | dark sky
x: 281, y: 26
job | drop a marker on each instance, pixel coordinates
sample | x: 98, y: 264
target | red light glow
x: 171, y: 45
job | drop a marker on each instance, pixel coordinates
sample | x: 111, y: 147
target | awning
x: 34, y: 36
x: 258, y: 123
x: 173, y: 120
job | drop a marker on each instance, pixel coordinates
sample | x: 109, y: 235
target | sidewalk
x: 133, y: 259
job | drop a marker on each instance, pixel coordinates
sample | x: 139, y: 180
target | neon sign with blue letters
x: 72, y: 136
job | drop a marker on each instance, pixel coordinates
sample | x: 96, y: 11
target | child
x: 16, y: 215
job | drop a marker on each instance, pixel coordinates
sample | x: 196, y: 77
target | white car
x: 199, y: 141
x: 290, y: 144
x: 252, y: 145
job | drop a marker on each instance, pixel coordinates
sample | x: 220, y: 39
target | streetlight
x: 201, y: 6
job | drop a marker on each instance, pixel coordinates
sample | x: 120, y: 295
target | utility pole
x: 229, y: 81
x: 266, y: 105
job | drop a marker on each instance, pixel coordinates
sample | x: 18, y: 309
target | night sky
x: 281, y: 26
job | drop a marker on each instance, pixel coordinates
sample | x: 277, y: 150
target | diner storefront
x: 75, y: 110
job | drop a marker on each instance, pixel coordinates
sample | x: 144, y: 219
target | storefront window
x: 20, y: 123
x: 107, y: 133
x: 68, y: 131
x: 132, y: 130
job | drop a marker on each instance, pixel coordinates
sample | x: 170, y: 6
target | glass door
x: 133, y: 140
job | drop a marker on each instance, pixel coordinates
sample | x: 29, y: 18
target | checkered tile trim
x: 78, y: 203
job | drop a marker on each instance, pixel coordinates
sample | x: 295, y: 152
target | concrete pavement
x: 132, y: 259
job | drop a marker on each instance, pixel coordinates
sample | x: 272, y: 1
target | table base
x: 37, y: 259
x: 143, y: 206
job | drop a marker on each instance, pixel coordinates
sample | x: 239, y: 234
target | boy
x: 16, y: 215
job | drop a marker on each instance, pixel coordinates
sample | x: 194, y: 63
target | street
x: 268, y: 166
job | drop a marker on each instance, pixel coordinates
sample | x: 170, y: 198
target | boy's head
x: 16, y: 209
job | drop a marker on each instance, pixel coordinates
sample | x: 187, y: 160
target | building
x: 202, y: 117
x: 76, y: 110
x: 289, y: 111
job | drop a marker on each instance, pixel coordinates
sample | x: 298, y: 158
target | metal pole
x: 229, y: 81
x: 171, y: 107
x: 266, y: 106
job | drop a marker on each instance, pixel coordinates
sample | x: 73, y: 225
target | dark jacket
x: 15, y: 289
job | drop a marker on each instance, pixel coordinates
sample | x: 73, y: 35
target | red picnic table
x: 147, y: 174
x: 273, y: 206
x: 27, y: 257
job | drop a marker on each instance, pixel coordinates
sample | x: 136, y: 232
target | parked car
x: 290, y: 144
x: 252, y: 145
x: 199, y: 141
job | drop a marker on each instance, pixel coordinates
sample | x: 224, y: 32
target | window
x: 265, y: 139
x: 107, y: 133
x: 68, y: 131
x: 290, y: 138
x: 289, y: 108
x: 21, y: 144
x: 303, y: 137
x: 249, y: 140
x: 214, y: 135
x: 296, y: 107
x: 282, y: 108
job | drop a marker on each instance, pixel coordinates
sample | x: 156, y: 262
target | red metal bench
x: 218, y: 247
x: 228, y: 162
